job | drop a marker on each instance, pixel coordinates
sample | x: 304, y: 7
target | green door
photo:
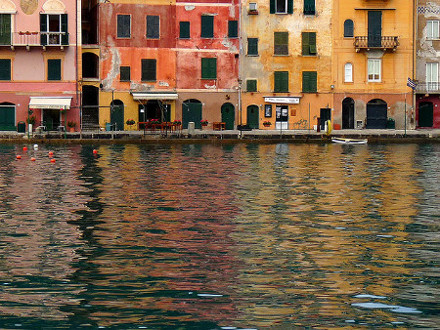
x: 253, y: 118
x: 374, y: 28
x: 426, y: 114
x: 7, y: 118
x: 117, y: 115
x: 191, y: 111
x: 228, y: 115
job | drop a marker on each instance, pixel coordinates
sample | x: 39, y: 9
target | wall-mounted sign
x: 282, y: 100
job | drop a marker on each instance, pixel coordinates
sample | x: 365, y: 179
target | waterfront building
x: 287, y: 63
x: 427, y: 64
x: 38, y: 63
x: 373, y: 58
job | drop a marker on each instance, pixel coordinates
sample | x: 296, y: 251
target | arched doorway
x: 90, y: 108
x: 253, y: 118
x: 348, y: 113
x: 191, y: 112
x: 426, y: 114
x: 228, y: 115
x: 117, y: 115
x: 376, y: 114
x: 7, y: 116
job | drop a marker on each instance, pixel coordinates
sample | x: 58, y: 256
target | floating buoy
x: 25, y: 148
x: 35, y: 146
x: 18, y: 157
x: 33, y: 159
x: 95, y: 151
x: 50, y: 153
x: 53, y: 160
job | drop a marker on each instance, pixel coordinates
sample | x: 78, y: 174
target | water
x: 245, y: 236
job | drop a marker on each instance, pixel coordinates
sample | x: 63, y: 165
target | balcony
x: 428, y: 87
x: 34, y: 39
x: 384, y: 43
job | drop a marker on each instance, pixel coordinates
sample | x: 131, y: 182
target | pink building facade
x: 38, y: 64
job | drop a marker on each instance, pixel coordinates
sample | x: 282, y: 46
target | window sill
x: 252, y: 55
x: 309, y: 55
x: 309, y: 92
x: 281, y: 55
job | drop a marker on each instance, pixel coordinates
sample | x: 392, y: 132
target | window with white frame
x: 348, y: 72
x: 374, y: 69
x: 432, y: 29
x: 431, y: 76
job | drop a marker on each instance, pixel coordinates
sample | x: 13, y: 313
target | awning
x: 282, y: 100
x: 154, y: 96
x: 43, y: 102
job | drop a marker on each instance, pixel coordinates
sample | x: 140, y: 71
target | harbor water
x: 220, y: 236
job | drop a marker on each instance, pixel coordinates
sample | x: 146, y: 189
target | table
x: 218, y: 126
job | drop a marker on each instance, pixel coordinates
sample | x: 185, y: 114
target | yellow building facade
x: 372, y: 60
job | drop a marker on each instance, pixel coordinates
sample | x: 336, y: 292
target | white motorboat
x: 349, y: 141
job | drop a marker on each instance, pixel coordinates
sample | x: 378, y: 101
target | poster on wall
x: 268, y: 110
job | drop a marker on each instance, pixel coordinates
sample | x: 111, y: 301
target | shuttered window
x: 184, y: 30
x: 281, y: 81
x: 432, y: 30
x: 374, y: 69
x: 209, y: 68
x: 309, y: 43
x: 54, y: 29
x: 153, y: 27
x: 252, y: 46
x: 281, y: 6
x: 281, y: 43
x: 123, y: 26
x: 5, y: 69
x: 54, y: 69
x: 348, y: 28
x: 5, y: 29
x: 309, y: 80
x: 251, y: 85
x: 233, y: 29
x: 207, y: 27
x: 148, y: 70
x: 124, y: 73
x: 309, y: 7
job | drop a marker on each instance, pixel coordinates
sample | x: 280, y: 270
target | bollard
x: 191, y: 128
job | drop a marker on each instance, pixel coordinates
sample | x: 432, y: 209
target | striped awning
x: 44, y: 102
x: 154, y: 96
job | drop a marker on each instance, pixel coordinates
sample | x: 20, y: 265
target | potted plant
x: 31, y: 120
x: 204, y: 122
x: 71, y: 125
x: 177, y: 122
x: 267, y: 123
x: 155, y: 121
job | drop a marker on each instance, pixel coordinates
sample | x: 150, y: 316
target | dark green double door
x: 191, y: 112
x: 374, y: 29
x: 426, y: 114
x: 7, y: 118
x: 228, y: 115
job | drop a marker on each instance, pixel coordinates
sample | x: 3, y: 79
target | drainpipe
x: 414, y: 69
x: 240, y: 54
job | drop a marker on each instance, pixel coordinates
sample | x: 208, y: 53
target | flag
x: 411, y: 83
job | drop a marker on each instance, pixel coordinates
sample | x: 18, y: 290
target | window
x: 233, y: 29
x: 148, y: 70
x: 431, y: 76
x: 207, y: 27
x: 281, y: 43
x: 252, y: 46
x: 309, y: 79
x: 5, y: 69
x: 281, y: 6
x: 432, y: 28
x: 153, y: 27
x: 124, y: 73
x: 374, y: 69
x: 281, y: 81
x: 53, y: 30
x: 253, y: 6
x: 309, y: 43
x: 123, y: 26
x: 184, y: 30
x: 348, y: 28
x: 5, y: 29
x: 309, y: 7
x: 251, y: 85
x: 348, y: 72
x: 209, y: 68
x: 54, y: 69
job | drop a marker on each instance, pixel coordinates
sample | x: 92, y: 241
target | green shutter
x: 123, y: 26
x: 233, y: 29
x: 252, y: 46
x: 64, y: 29
x: 43, y: 29
x: 5, y: 29
x: 54, y: 69
x: 209, y: 68
x: 281, y: 83
x: 281, y: 40
x: 309, y: 7
x: 251, y: 85
x: 148, y: 70
x: 305, y: 43
x: 312, y: 43
x: 290, y: 6
x: 272, y: 6
x: 184, y: 30
x: 124, y: 73
x: 5, y: 69
x: 310, y: 81
x: 207, y: 27
x: 153, y: 27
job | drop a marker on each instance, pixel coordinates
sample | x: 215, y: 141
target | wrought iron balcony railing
x: 27, y: 39
x: 428, y: 87
x: 385, y: 43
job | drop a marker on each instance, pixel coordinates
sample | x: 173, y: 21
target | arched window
x: 348, y: 28
x: 348, y: 72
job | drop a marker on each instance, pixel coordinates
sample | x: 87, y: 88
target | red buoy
x: 50, y: 153
x: 53, y: 160
x: 95, y: 151
x: 25, y: 148
x: 18, y: 157
x: 33, y: 159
